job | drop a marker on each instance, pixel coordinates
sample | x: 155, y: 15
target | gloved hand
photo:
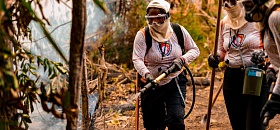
x: 258, y: 57
x: 270, y: 76
x: 176, y: 65
x: 213, y: 61
x: 149, y: 77
x: 272, y: 107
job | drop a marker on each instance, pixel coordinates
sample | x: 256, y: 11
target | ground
x: 118, y: 119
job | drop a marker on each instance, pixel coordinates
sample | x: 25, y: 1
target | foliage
x: 101, y: 5
x: 201, y: 28
x: 20, y: 83
x: 121, y: 28
x: 19, y: 78
x: 20, y: 88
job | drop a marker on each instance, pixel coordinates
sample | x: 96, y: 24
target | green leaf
x: 45, y: 64
x: 32, y: 72
x: 31, y: 59
x: 31, y: 104
x: 43, y: 89
x: 61, y: 70
x: 102, y: 6
x: 32, y: 67
x: 54, y: 74
x: 58, y: 64
x: 39, y: 61
x: 50, y: 69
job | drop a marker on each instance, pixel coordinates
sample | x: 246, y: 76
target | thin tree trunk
x: 8, y: 113
x: 103, y: 73
x: 76, y: 59
x: 85, y: 113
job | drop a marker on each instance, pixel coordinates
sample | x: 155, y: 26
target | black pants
x: 164, y: 106
x: 243, y: 110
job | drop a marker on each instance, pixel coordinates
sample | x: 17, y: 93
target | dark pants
x: 243, y: 110
x: 164, y: 106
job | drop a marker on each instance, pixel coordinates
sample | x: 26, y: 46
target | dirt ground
x: 111, y: 118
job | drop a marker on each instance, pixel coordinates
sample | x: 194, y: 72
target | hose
x: 193, y: 101
x: 153, y: 83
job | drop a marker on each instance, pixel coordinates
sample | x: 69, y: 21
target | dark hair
x: 160, y: 9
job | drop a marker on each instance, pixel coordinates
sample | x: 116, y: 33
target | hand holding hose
x: 149, y: 78
x: 150, y: 82
x: 176, y: 65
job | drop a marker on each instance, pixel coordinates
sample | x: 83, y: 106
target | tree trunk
x: 76, y: 60
x: 85, y: 113
x: 7, y: 113
x: 103, y: 73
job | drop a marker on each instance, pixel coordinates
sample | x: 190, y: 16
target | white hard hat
x: 162, y: 4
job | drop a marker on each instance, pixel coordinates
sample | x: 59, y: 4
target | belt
x: 236, y: 68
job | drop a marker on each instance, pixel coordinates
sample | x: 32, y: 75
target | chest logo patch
x: 237, y: 40
x: 165, y: 48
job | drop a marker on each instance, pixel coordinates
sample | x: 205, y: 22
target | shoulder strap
x: 176, y: 28
x: 148, y: 39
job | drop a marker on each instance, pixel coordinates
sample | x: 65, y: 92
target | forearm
x: 140, y: 67
x: 191, y: 55
x: 138, y: 54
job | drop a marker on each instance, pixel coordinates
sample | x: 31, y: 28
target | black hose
x: 193, y: 101
x: 151, y: 84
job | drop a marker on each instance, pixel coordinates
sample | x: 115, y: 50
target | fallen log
x: 203, y: 81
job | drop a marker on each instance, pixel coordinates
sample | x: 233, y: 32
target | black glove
x: 213, y: 61
x: 176, y: 65
x: 270, y: 76
x: 272, y: 107
x: 149, y: 78
x: 258, y: 57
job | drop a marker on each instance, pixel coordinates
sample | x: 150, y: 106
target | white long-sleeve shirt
x: 161, y: 55
x: 272, y: 45
x: 247, y: 39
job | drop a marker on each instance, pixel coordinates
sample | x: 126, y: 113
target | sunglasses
x: 160, y: 18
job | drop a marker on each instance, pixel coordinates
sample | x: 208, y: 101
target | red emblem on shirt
x: 237, y: 40
x: 165, y: 48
